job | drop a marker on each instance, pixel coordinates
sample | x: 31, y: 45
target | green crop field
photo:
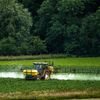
x: 92, y: 62
x: 48, y: 89
x: 18, y: 88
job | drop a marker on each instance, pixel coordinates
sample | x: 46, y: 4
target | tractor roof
x: 40, y: 63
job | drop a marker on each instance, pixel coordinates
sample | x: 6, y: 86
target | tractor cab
x: 40, y: 66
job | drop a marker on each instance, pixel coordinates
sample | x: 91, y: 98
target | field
x: 48, y: 89
x: 87, y: 62
x: 54, y: 89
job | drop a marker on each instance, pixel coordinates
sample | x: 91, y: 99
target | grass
x: 49, y: 88
x: 21, y: 85
x: 81, y: 62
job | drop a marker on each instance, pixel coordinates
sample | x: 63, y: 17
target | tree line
x: 31, y: 27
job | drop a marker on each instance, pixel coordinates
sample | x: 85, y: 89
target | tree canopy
x: 50, y: 26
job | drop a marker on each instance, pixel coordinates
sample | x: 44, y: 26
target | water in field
x: 59, y: 76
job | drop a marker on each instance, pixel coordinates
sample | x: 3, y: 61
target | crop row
x: 21, y: 85
x: 66, y: 62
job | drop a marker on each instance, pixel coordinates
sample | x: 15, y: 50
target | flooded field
x: 59, y: 76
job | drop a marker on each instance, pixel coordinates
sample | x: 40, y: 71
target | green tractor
x: 42, y: 71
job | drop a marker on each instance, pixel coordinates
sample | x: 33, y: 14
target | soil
x: 74, y: 95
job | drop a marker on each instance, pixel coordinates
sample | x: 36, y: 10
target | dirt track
x: 73, y: 95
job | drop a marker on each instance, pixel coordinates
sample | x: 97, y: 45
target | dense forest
x: 30, y: 27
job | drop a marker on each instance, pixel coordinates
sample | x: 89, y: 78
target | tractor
x: 41, y: 71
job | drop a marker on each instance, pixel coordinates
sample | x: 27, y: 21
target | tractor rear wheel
x: 30, y: 77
